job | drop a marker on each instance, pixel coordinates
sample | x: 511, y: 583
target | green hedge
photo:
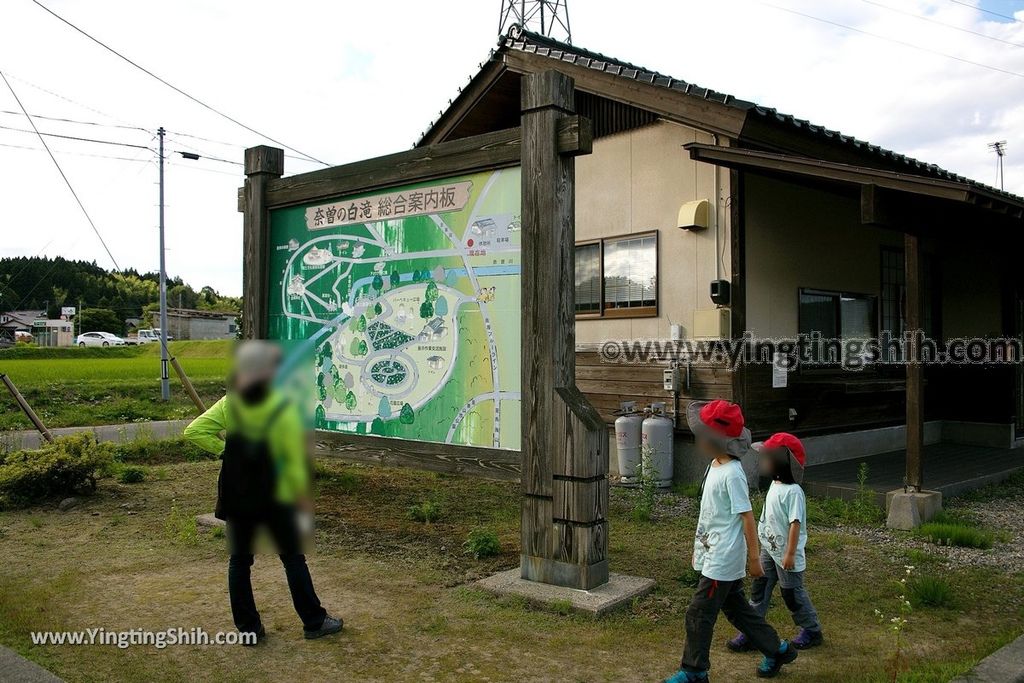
x: 69, y: 465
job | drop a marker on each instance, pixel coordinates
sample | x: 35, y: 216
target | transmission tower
x: 1000, y: 149
x: 547, y: 17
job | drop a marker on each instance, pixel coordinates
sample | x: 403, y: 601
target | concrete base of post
x: 910, y: 509
x: 619, y: 591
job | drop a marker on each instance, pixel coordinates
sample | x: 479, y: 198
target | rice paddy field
x: 72, y: 387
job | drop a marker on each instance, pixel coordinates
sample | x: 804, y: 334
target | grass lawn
x: 92, y: 386
x: 130, y: 557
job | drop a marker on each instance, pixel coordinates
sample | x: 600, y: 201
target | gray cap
x: 256, y: 361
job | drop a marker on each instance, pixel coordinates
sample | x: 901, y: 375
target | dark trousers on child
x: 798, y: 602
x: 282, y: 523
x: 727, y: 597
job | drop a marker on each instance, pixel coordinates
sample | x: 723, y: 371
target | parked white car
x: 99, y: 339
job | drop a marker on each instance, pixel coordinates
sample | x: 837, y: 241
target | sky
x: 342, y: 81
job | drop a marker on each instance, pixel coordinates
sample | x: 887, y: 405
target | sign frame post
x: 564, y: 531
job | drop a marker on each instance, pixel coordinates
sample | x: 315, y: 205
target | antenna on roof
x: 1000, y: 149
x: 549, y: 18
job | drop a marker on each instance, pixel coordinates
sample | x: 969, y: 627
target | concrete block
x: 619, y: 591
x: 903, y: 512
x: 928, y: 503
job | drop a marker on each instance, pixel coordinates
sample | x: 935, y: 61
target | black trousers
x: 281, y: 522
x: 711, y: 598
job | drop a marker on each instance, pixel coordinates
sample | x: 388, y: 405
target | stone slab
x: 620, y: 591
x: 1005, y: 665
x: 16, y: 669
x: 209, y: 521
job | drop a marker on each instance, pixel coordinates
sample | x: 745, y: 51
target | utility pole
x: 1000, y: 149
x: 165, y: 387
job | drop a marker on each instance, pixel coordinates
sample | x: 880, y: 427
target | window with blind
x: 618, y: 277
x: 588, y: 278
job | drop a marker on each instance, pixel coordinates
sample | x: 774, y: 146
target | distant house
x: 34, y: 324
x: 15, y: 324
x: 188, y: 323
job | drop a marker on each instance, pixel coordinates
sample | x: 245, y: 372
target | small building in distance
x: 33, y: 325
x: 189, y: 323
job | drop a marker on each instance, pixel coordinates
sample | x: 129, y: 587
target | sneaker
x: 740, y: 644
x: 770, y: 666
x: 261, y: 635
x: 807, y: 639
x: 683, y: 676
x: 330, y: 625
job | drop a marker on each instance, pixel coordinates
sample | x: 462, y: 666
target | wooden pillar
x: 915, y: 371
x: 565, y: 442
x: 261, y: 164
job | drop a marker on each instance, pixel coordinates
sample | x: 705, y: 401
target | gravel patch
x: 1004, y: 515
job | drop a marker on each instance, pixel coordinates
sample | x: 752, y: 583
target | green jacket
x: 286, y: 436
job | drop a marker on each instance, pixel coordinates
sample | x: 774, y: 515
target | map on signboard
x: 408, y: 300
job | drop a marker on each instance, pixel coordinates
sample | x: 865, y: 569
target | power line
x: 893, y: 40
x: 942, y: 23
x: 79, y: 154
x: 77, y: 121
x: 65, y: 98
x: 72, y: 137
x: 227, y: 144
x: 986, y: 11
x: 61, y: 171
x: 174, y: 87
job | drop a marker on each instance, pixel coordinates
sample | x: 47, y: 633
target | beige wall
x: 635, y: 182
x: 801, y: 237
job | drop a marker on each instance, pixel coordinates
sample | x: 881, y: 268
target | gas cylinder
x: 627, y: 441
x: 656, y: 445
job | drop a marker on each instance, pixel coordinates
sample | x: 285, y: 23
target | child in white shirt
x: 782, y: 531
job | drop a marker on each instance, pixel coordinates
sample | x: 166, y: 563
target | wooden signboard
x: 434, y: 291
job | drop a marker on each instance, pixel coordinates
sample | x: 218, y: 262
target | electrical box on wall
x: 671, y: 379
x: 720, y: 292
x: 712, y: 323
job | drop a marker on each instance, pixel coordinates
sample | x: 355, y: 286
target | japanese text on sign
x: 382, y: 207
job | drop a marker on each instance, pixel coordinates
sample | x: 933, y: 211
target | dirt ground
x: 127, y: 557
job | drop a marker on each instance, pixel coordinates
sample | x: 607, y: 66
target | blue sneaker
x: 770, y: 666
x: 683, y: 676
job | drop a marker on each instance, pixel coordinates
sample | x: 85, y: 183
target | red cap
x: 786, y: 440
x: 724, y: 417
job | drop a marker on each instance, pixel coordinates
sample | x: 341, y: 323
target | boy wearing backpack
x: 725, y: 547
x: 264, y: 481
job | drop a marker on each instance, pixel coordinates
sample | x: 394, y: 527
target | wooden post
x: 187, y: 384
x: 915, y: 371
x: 565, y: 443
x: 261, y: 164
x: 26, y: 408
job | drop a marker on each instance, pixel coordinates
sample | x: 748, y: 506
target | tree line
x: 105, y: 297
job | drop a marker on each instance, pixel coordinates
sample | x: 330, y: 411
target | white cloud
x: 344, y: 81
